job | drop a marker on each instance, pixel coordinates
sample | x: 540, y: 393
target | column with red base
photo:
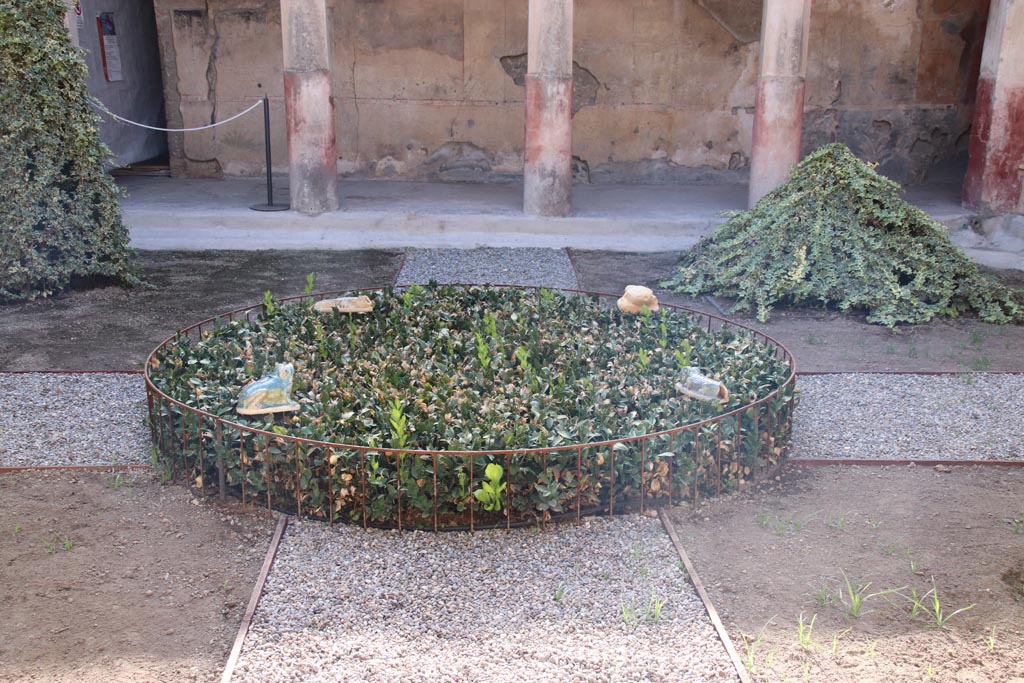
x: 779, y: 109
x: 995, y: 173
x: 309, y: 105
x: 547, y: 170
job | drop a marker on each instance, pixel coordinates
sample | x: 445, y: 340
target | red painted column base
x: 312, y: 148
x: 547, y: 168
x: 995, y: 172
x: 778, y: 125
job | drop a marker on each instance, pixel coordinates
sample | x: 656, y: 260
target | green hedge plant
x: 838, y: 234
x: 446, y: 368
x: 60, y: 215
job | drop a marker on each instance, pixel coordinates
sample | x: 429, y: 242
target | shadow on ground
x: 111, y: 328
x: 826, y: 341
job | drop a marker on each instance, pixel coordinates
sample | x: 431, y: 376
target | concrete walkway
x: 194, y: 214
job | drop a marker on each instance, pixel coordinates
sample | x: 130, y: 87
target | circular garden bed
x: 463, y: 406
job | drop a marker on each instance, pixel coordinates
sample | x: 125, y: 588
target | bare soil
x: 121, y: 580
x: 828, y: 341
x: 772, y: 554
x: 114, y: 328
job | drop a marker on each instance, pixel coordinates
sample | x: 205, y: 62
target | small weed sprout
x: 804, y: 632
x: 835, y: 641
x: 654, y: 607
x: 874, y: 523
x: 629, y: 616
x: 764, y: 520
x: 990, y: 640
x: 838, y: 523
x: 938, y: 616
x: 750, y: 645
x: 1016, y: 524
x: 559, y: 592
x: 50, y: 547
x: 871, y: 650
x: 855, y: 597
x: 822, y: 595
x: 889, y: 550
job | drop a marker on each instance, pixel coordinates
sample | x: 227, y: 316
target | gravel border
x: 49, y: 419
x: 888, y: 417
x: 486, y: 265
x: 52, y: 419
x: 345, y: 604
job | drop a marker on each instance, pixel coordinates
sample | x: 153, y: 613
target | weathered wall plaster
x: 665, y: 89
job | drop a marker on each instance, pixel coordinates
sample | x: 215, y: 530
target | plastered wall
x: 664, y: 89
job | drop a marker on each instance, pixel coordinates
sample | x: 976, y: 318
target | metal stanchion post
x: 270, y: 205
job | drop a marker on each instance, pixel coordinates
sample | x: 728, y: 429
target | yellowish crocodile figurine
x: 270, y: 394
x: 345, y: 304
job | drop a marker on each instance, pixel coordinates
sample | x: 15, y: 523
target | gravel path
x: 964, y: 417
x: 536, y: 267
x: 97, y: 419
x: 345, y: 604
x: 80, y: 419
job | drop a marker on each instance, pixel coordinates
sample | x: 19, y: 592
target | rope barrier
x: 99, y: 105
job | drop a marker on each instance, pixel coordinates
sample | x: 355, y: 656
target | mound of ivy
x: 446, y: 368
x: 60, y: 215
x: 839, y: 234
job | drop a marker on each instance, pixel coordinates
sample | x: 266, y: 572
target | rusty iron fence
x: 370, y: 486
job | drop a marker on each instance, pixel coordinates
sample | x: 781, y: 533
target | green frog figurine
x: 270, y: 394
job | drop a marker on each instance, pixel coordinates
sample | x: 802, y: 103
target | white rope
x: 99, y: 105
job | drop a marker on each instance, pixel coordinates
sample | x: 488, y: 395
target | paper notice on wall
x: 108, y: 47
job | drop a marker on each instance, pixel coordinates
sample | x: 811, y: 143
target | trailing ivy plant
x: 839, y: 234
x: 445, y: 368
x: 60, y: 218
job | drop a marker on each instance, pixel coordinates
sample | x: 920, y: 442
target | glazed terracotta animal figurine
x: 345, y: 304
x: 695, y: 385
x: 270, y: 394
x: 635, y: 298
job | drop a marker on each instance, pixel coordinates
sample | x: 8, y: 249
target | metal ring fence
x: 336, y: 482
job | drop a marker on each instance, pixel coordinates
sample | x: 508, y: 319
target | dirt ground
x: 790, y: 543
x: 109, y: 580
x: 112, y: 328
x: 128, y: 581
x: 823, y: 341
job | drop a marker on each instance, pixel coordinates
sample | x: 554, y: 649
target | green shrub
x: 452, y: 369
x: 60, y: 215
x: 838, y: 234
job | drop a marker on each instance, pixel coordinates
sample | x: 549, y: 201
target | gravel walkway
x: 97, y: 419
x: 964, y: 417
x: 344, y: 604
x: 526, y: 267
x: 80, y: 419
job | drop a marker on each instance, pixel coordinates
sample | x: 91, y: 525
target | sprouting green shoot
x: 804, y: 631
x: 683, y: 354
